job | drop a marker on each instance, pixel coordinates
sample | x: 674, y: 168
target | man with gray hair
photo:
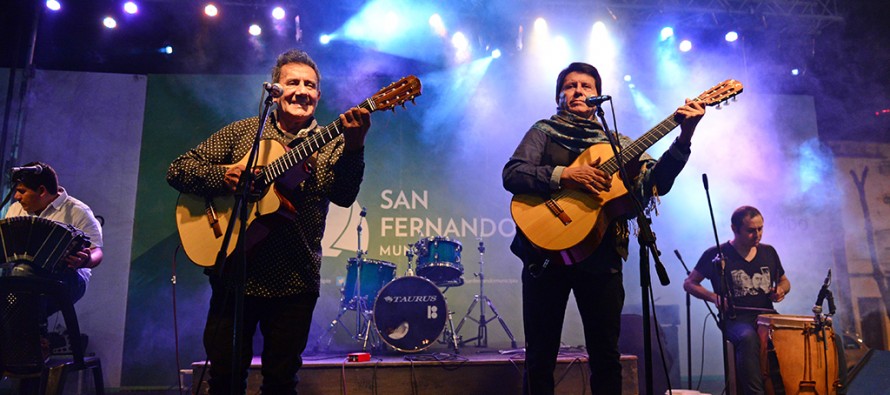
x: 283, y: 268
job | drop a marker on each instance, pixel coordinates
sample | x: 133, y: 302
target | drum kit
x: 408, y: 313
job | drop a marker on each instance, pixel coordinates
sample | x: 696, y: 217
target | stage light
x: 731, y: 36
x: 627, y: 78
x: 109, y: 22
x: 459, y: 41
x: 496, y: 53
x: 168, y: 50
x: 131, y: 7
x: 255, y: 30
x: 211, y: 10
x: 685, y: 46
x: 325, y: 39
x: 438, y: 25
x: 795, y: 72
x: 667, y: 33
x: 540, y: 25
x: 53, y: 5
x: 278, y: 13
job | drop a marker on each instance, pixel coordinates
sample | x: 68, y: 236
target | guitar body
x: 202, y: 239
x: 589, y: 214
x: 569, y: 225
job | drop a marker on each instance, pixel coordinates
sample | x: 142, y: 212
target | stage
x: 473, y: 371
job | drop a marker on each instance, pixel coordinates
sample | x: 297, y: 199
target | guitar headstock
x: 397, y: 93
x: 720, y: 93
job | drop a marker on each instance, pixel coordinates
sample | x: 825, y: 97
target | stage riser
x: 447, y: 378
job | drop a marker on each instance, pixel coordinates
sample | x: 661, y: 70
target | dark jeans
x: 284, y: 323
x: 600, y: 298
x: 742, y: 332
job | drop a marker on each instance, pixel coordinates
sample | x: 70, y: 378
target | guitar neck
x: 305, y: 149
x: 640, y: 145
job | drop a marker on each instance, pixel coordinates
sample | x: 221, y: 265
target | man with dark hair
x: 540, y: 165
x: 283, y: 270
x: 756, y: 280
x: 39, y: 194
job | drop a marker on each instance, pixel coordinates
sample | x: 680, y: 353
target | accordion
x: 41, y: 243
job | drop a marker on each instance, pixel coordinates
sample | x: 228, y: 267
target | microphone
x: 275, y: 90
x: 704, y: 180
x: 36, y: 169
x: 824, y: 291
x: 597, y: 100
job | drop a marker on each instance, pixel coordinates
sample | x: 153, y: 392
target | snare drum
x: 410, y: 314
x: 375, y: 274
x: 807, y: 357
x: 438, y: 259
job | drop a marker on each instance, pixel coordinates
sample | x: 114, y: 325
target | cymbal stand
x: 359, y: 302
x: 483, y: 300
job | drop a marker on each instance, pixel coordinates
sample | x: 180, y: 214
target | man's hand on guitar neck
x: 586, y: 177
x: 691, y: 113
x: 356, y: 122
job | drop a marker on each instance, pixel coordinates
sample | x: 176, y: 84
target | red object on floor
x: 358, y: 357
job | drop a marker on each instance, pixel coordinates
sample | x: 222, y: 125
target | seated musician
x: 37, y: 193
x: 756, y: 280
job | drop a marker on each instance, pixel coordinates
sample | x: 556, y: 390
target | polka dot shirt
x: 288, y: 260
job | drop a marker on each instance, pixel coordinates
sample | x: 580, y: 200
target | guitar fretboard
x: 640, y: 145
x: 305, y: 149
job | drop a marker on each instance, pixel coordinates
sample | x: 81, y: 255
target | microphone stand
x: 823, y: 321
x: 240, y: 211
x: 725, y: 306
x: 646, y: 240
x: 689, y: 322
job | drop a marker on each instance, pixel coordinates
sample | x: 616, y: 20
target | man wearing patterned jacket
x: 282, y: 282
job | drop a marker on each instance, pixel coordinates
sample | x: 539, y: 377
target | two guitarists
x: 541, y: 166
x: 282, y: 284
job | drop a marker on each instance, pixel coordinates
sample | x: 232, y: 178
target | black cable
x: 176, y: 322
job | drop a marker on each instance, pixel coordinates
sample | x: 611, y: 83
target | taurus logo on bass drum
x: 411, y: 299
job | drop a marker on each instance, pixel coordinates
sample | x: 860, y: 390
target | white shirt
x: 68, y: 210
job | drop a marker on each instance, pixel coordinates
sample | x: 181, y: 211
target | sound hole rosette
x: 410, y: 314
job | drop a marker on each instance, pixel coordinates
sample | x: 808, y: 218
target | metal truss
x: 802, y: 16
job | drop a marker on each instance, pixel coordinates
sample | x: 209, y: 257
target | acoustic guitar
x: 201, y: 222
x: 569, y: 224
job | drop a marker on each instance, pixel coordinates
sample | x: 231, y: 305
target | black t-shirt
x: 750, y: 282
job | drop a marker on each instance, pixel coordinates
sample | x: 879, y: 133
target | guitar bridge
x: 558, y: 212
x: 212, y: 218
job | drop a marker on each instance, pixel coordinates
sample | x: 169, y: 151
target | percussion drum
x: 807, y: 356
x: 410, y: 314
x: 438, y: 259
x: 374, y: 275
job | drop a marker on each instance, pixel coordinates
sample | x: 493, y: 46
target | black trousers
x: 284, y: 323
x: 600, y: 298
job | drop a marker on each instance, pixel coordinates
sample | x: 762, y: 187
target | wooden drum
x: 807, y: 356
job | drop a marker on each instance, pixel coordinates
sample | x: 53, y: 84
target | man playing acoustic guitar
x: 282, y: 284
x: 541, y: 166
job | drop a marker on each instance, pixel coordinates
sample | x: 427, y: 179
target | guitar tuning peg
x: 719, y: 105
x: 726, y: 102
x: 403, y: 105
x: 735, y: 98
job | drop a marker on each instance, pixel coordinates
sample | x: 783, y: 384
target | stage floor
x: 472, y: 371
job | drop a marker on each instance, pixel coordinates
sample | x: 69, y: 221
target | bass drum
x: 410, y: 314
